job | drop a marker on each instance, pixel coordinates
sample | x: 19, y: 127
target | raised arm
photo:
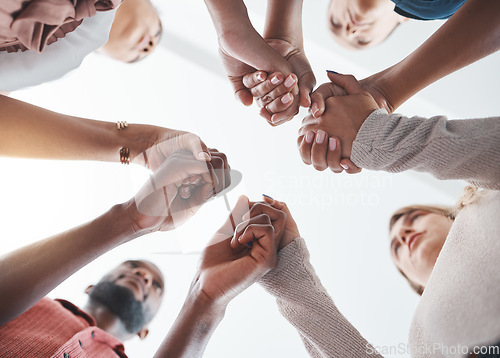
x: 306, y: 304
x: 472, y: 33
x: 229, y: 265
x: 29, y: 131
x: 29, y: 273
x: 372, y: 139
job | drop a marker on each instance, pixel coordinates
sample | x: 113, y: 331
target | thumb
x: 348, y: 82
x: 306, y: 85
x: 241, y: 93
x: 195, y: 145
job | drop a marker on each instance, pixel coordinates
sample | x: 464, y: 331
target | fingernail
x: 203, y: 155
x: 275, y: 80
x: 320, y: 136
x: 330, y: 71
x: 267, y: 196
x: 345, y: 166
x: 314, y: 109
x: 290, y: 81
x: 287, y: 98
x: 332, y: 144
x: 210, y: 194
x: 309, y: 137
x: 260, y: 76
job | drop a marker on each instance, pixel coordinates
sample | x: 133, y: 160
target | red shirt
x: 57, y: 328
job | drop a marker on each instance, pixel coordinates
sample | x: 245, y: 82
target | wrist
x: 121, y: 221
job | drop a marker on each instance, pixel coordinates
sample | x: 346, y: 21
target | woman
x: 454, y: 261
x: 42, y: 41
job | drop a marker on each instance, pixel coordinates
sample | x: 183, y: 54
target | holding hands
x: 326, y: 136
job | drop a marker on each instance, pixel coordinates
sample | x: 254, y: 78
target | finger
x: 195, y: 145
x: 307, y: 128
x: 253, y: 79
x: 277, y: 217
x: 348, y: 82
x: 319, y: 151
x: 185, y: 191
x: 275, y: 93
x: 271, y: 83
x: 261, y: 219
x: 334, y: 155
x: 306, y: 146
x: 287, y: 114
x: 235, y: 217
x: 266, y: 115
x: 349, y: 166
x: 241, y: 93
x: 321, y: 94
x: 225, y: 169
x: 264, y: 233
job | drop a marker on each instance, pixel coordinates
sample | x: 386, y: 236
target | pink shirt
x: 57, y: 328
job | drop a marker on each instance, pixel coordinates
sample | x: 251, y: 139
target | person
x: 471, y: 34
x: 135, y: 32
x: 120, y: 306
x: 174, y: 193
x: 43, y: 41
x: 438, y: 248
x: 363, y: 24
x: 280, y: 49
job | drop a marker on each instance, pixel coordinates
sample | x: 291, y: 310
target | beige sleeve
x: 305, y: 303
x: 466, y: 149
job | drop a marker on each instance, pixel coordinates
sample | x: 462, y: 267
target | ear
x: 88, y: 289
x: 143, y: 333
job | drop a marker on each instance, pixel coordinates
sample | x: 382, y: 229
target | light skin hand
x: 341, y: 122
x: 178, y: 189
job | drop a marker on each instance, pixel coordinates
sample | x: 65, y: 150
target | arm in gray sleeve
x: 305, y: 303
x: 466, y: 149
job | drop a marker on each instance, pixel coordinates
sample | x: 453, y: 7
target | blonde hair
x: 470, y: 195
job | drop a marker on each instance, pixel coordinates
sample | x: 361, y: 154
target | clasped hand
x: 339, y: 110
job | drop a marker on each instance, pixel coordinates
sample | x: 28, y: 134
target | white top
x: 19, y: 70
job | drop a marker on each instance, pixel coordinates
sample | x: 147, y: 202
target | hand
x: 372, y: 85
x: 273, y: 94
x: 152, y: 144
x: 285, y: 228
x: 342, y: 118
x: 178, y: 189
x: 227, y: 270
x: 244, y: 51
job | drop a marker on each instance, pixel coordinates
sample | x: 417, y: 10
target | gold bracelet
x: 121, y: 125
x: 125, y: 155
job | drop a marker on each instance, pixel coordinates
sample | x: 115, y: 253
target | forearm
x: 284, y: 21
x: 29, y: 273
x: 306, y: 304
x: 228, y: 14
x: 32, y: 132
x: 472, y: 33
x: 448, y: 149
x: 192, y: 329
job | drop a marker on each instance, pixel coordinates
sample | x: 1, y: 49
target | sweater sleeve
x: 466, y: 149
x: 305, y: 303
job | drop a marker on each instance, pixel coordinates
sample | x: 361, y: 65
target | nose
x: 350, y: 30
x: 144, y: 274
x: 404, y: 234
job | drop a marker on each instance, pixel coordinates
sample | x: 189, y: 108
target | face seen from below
x: 416, y: 241
x: 360, y: 24
x: 133, y: 291
x: 135, y: 32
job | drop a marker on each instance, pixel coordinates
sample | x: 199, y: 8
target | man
x: 119, y: 307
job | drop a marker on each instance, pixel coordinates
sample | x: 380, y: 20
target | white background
x: 343, y: 218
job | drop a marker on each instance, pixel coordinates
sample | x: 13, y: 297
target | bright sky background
x: 343, y: 218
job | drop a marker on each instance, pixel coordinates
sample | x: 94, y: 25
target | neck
x: 107, y: 320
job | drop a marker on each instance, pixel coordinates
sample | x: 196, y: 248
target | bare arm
x: 472, y: 33
x: 29, y: 273
x: 284, y: 21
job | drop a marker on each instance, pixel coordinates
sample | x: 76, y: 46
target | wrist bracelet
x: 121, y: 125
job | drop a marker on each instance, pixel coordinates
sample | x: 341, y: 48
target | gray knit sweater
x: 461, y: 303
